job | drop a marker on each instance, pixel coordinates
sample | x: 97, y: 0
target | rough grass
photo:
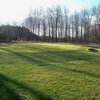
x: 45, y: 71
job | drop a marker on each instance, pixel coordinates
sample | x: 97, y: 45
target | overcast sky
x: 17, y: 10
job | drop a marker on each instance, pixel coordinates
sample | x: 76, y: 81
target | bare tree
x: 76, y: 18
x: 66, y: 23
x: 56, y: 23
x: 49, y: 20
x: 39, y: 16
x: 52, y: 21
x: 72, y: 27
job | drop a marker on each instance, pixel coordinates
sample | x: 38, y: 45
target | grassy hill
x: 45, y: 71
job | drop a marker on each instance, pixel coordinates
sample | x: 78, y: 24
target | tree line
x: 10, y: 33
x: 58, y: 25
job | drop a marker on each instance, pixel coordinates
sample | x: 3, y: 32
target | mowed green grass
x: 48, y: 71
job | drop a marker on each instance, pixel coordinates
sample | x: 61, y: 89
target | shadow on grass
x: 6, y: 93
x: 43, y: 59
x: 74, y: 55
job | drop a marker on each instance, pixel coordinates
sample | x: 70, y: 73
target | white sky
x: 17, y: 10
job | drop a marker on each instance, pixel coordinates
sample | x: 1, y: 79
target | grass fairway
x: 45, y: 71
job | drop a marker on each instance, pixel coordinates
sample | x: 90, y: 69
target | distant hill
x: 10, y: 33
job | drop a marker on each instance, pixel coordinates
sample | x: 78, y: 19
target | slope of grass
x: 45, y: 71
